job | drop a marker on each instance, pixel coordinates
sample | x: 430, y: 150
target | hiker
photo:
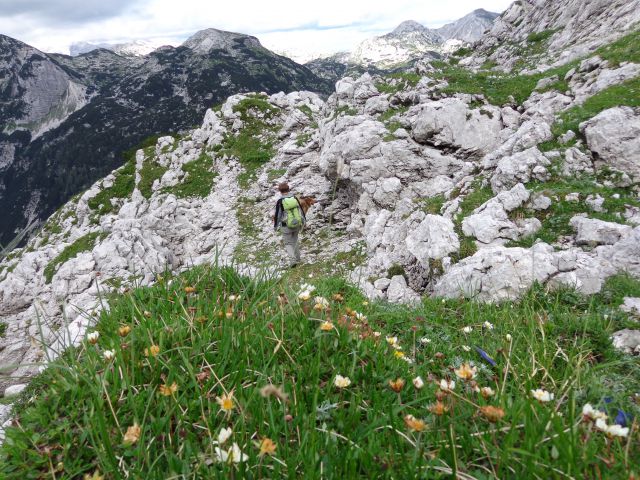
x: 289, y: 219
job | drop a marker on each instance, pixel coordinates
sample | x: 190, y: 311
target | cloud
x: 282, y: 25
x: 66, y: 12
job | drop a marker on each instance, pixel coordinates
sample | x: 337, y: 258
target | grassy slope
x: 83, y: 405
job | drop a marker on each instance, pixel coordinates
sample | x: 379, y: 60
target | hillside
x: 474, y: 191
x: 70, y: 120
x: 213, y: 375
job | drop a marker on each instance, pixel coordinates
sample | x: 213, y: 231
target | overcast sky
x: 291, y: 26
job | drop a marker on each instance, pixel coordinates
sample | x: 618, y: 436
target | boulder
x: 434, y: 238
x: 490, y: 223
x: 14, y: 390
x: 520, y: 167
x: 590, y: 231
x: 450, y: 123
x: 399, y: 292
x: 627, y: 340
x: 614, y: 137
x: 631, y: 305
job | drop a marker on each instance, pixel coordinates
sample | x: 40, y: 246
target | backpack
x: 291, y: 206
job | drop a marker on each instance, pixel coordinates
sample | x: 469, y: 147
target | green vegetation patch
x: 626, y: 49
x: 396, y: 82
x: 122, y: 187
x: 82, y: 244
x: 214, y: 339
x: 499, y: 88
x: 150, y: 172
x: 253, y: 145
x: 198, y: 179
x: 627, y: 93
x: 538, y: 37
x: 555, y: 220
x: 3, y: 329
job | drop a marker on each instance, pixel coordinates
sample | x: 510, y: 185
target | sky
x: 301, y: 29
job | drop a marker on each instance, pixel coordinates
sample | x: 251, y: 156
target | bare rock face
x: 627, y: 340
x: 576, y: 27
x: 614, y: 137
x: 490, y: 223
x: 597, y: 232
x: 450, y: 123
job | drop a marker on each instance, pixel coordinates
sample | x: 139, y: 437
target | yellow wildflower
x: 152, y: 351
x: 466, y: 372
x: 226, y: 402
x: 124, y: 330
x: 168, y: 390
x: 267, y: 446
x: 326, y: 326
x: 414, y: 424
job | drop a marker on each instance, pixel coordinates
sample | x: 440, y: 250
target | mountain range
x: 68, y: 120
x: 408, y: 42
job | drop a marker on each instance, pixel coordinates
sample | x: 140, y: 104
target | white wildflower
x: 542, y: 395
x: 418, y: 382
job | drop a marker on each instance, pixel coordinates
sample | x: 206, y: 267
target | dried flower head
x: 414, y: 424
x: 93, y: 337
x: 132, y: 434
x: 466, y: 372
x: 273, y: 391
x: 152, y: 351
x: 491, y: 413
x: 438, y: 408
x: 267, y: 447
x: 168, y: 390
x: 326, y: 326
x: 418, y: 382
x: 397, y: 385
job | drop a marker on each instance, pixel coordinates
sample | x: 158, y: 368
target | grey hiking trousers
x: 291, y: 243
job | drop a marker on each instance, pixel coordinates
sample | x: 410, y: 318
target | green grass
x: 555, y: 220
x: 73, y: 418
x: 396, y: 82
x: 150, y: 172
x: 122, y: 188
x: 432, y: 205
x: 538, y: 37
x: 275, y: 173
x: 198, y: 180
x: 626, y: 49
x: 3, y: 329
x: 627, y: 93
x: 253, y: 145
x: 82, y: 244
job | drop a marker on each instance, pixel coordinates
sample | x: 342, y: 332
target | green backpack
x: 293, y: 211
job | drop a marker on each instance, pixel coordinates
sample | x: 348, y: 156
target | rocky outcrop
x: 614, y: 137
x: 571, y: 28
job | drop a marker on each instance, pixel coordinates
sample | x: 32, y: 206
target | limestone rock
x: 434, y: 238
x: 627, y: 340
x: 14, y: 390
x: 490, y: 223
x: 597, y: 232
x: 631, y: 305
x: 614, y: 136
x: 519, y: 168
x: 399, y: 292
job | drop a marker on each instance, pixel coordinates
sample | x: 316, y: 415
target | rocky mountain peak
x: 204, y: 41
x: 469, y: 28
x: 408, y: 26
